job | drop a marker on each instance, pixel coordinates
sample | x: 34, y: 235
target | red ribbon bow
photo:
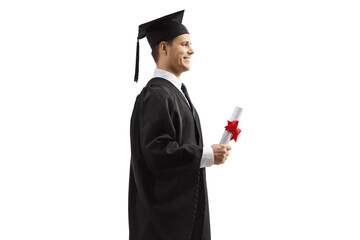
x: 232, y: 128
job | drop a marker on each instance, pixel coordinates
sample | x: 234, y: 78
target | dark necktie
x: 183, y: 88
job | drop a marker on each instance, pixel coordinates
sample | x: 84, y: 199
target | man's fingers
x: 226, y: 146
x: 221, y: 153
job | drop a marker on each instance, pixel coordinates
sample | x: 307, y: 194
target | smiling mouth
x: 187, y: 59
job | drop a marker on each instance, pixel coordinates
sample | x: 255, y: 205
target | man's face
x: 179, y: 54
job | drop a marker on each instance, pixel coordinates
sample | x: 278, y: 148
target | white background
x: 67, y: 92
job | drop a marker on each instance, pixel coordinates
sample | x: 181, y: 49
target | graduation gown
x: 167, y: 187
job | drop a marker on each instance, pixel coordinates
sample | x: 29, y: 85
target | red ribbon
x: 232, y: 128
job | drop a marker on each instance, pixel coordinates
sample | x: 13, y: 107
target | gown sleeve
x: 158, y: 141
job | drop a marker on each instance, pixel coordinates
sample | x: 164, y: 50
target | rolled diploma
x: 227, y: 135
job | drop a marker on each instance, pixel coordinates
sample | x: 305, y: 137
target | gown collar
x: 160, y: 73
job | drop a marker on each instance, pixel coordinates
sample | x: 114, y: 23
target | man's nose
x: 191, y: 50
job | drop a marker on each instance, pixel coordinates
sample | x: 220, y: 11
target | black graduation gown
x: 167, y: 188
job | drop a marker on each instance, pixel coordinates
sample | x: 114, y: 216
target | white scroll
x: 227, y: 135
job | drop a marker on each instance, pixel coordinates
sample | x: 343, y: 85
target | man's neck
x: 168, y: 70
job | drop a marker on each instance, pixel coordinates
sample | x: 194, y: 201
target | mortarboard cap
x: 158, y: 30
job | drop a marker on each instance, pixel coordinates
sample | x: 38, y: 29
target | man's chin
x: 187, y: 68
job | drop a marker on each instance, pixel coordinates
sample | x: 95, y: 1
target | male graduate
x: 167, y: 191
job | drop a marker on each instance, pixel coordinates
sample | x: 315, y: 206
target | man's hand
x: 221, y: 152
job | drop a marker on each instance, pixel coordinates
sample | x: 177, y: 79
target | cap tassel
x: 137, y: 62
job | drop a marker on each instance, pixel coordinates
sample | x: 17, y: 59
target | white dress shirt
x: 207, y: 158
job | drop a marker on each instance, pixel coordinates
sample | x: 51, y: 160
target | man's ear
x: 163, y: 48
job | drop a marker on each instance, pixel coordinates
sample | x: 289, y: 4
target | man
x: 167, y: 190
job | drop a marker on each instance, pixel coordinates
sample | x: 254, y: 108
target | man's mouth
x: 187, y: 59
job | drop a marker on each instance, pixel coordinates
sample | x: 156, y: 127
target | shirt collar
x: 168, y: 76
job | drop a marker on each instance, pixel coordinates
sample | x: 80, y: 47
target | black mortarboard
x: 158, y: 30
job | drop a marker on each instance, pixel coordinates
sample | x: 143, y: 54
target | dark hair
x: 155, y: 50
